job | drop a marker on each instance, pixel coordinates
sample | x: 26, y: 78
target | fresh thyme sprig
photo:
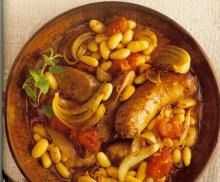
x: 36, y: 84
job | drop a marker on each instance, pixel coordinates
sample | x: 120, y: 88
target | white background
x: 24, y: 17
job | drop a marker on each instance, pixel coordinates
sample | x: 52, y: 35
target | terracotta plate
x: 51, y: 34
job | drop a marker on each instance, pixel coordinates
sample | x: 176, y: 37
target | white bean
x: 127, y: 37
x: 107, y: 91
x: 100, y: 37
x: 86, y: 179
x: 114, y: 40
x: 192, y: 136
x: 40, y: 129
x: 93, y: 46
x: 103, y: 76
x: 104, y: 50
x: 62, y: 170
x: 39, y: 148
x: 140, y: 60
x: 55, y: 154
x: 103, y: 160
x: 187, y: 155
x: 106, y: 65
x: 97, y: 26
x: 127, y: 93
x: 131, y: 24
x: 46, y: 160
x: 89, y: 60
x: 112, y: 172
x: 137, y: 46
x: 36, y: 137
x: 120, y: 54
x: 140, y: 79
x: 177, y: 156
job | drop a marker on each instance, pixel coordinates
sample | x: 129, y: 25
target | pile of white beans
x: 182, y: 154
x: 100, y: 50
x: 49, y: 154
x: 109, y: 173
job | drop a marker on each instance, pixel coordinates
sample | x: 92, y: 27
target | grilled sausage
x: 76, y: 84
x: 106, y: 124
x: 117, y: 151
x: 133, y: 115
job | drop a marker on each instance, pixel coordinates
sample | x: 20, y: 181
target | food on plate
x: 113, y: 104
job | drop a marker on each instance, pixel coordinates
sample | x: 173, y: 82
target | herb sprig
x: 36, y: 84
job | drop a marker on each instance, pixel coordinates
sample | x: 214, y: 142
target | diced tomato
x: 132, y: 60
x: 74, y: 135
x: 116, y: 25
x: 169, y: 129
x: 90, y: 139
x: 56, y: 124
x: 160, y: 164
x: 119, y: 66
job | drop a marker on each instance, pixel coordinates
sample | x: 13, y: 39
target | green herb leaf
x: 30, y: 91
x: 56, y: 69
x: 43, y: 85
x: 35, y: 73
x: 35, y: 83
x: 48, y: 111
x: 49, y: 60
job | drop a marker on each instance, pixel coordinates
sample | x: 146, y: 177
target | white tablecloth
x: 24, y: 17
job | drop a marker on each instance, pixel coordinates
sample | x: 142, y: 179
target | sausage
x: 133, y: 115
x: 106, y: 124
x: 76, y: 84
x: 117, y: 151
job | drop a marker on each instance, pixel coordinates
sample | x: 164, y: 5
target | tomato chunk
x: 116, y: 25
x: 89, y: 139
x: 160, y: 164
x: 169, y: 129
x: 57, y: 125
x: 119, y: 66
x: 132, y: 60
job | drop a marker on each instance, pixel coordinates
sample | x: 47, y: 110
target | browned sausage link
x: 117, y: 151
x: 106, y: 124
x: 133, y: 116
x: 76, y: 84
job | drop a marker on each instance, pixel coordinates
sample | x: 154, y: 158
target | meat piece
x: 133, y: 115
x: 106, y: 124
x: 76, y: 84
x: 117, y: 151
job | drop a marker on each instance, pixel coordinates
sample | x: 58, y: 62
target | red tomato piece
x: 132, y: 60
x: 160, y: 164
x: 74, y: 135
x: 57, y: 125
x: 116, y: 25
x: 90, y: 139
x: 119, y: 66
x: 169, y: 129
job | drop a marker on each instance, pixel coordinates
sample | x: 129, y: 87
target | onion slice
x: 134, y: 158
x: 78, y: 42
